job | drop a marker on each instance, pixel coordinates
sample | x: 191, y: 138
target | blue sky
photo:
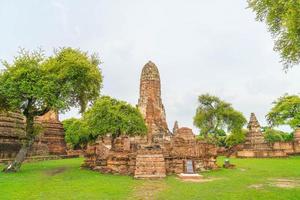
x: 199, y: 46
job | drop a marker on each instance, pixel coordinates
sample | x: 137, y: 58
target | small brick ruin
x: 160, y: 152
x: 53, y: 134
x: 255, y: 145
x: 12, y: 134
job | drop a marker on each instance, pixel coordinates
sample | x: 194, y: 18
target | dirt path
x: 53, y: 172
x: 148, y: 190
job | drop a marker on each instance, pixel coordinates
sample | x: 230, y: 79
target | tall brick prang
x: 150, y: 103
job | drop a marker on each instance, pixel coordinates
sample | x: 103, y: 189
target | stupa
x: 150, y: 104
x: 255, y: 144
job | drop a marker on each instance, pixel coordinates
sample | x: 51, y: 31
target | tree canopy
x: 214, y: 115
x: 109, y: 116
x: 283, y: 20
x: 34, y: 84
x: 286, y: 111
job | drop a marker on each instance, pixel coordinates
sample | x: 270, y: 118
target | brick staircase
x: 150, y: 164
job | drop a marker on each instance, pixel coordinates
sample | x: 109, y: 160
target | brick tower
x: 150, y: 104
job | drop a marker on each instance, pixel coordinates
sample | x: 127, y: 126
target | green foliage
x: 77, y: 75
x: 283, y: 20
x: 109, y: 116
x: 76, y: 133
x: 35, y: 84
x: 286, y: 111
x: 272, y: 135
x: 236, y: 137
x: 218, y: 139
x: 214, y: 116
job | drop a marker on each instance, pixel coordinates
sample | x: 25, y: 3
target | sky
x: 213, y: 47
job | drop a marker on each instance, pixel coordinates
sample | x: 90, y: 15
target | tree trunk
x: 114, y: 137
x: 21, y: 156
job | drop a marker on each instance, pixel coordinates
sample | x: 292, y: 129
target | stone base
x: 190, y: 176
x: 147, y: 176
x: 261, y: 154
x: 41, y: 158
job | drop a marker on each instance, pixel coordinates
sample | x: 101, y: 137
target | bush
x: 236, y: 137
x: 76, y: 133
x: 272, y: 135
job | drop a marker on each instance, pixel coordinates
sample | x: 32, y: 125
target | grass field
x: 63, y: 179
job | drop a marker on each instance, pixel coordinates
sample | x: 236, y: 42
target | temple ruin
x: 160, y: 152
x: 12, y: 133
x: 150, y: 104
x: 255, y: 145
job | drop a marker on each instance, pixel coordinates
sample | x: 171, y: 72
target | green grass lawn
x: 63, y: 179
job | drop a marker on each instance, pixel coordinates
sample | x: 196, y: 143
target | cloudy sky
x: 212, y: 46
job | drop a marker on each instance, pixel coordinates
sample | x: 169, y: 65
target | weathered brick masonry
x: 160, y: 152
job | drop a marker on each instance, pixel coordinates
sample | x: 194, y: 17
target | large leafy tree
x: 283, y: 20
x: 214, y: 115
x: 34, y: 84
x: 109, y: 116
x: 286, y: 111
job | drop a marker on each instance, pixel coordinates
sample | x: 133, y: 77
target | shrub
x: 272, y: 135
x: 76, y: 133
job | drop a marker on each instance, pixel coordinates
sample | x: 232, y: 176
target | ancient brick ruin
x: 12, y: 134
x: 150, y: 104
x: 53, y: 134
x: 256, y: 146
x: 160, y: 152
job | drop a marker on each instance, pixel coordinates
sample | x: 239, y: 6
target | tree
x: 236, y: 137
x: 34, y: 84
x: 272, y: 135
x: 109, y: 116
x: 214, y: 116
x: 282, y: 18
x: 286, y: 111
x: 76, y: 133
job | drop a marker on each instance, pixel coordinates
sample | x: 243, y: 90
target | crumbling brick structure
x: 53, y: 134
x: 158, y: 154
x: 256, y: 146
x: 12, y: 134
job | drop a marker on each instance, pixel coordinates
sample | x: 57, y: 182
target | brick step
x: 150, y: 176
x: 150, y: 166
